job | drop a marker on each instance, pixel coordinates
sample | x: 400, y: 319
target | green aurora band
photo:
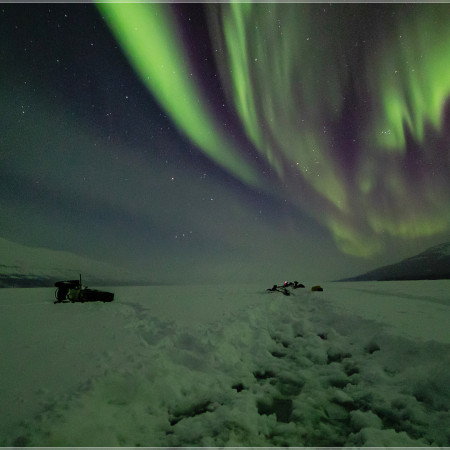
x: 150, y: 40
x: 286, y: 76
x: 412, y: 72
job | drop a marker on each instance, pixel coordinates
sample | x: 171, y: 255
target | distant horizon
x: 33, y: 279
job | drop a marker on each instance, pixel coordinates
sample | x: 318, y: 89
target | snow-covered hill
x: 22, y: 266
x: 432, y: 264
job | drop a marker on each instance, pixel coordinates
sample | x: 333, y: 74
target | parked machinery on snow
x: 73, y: 291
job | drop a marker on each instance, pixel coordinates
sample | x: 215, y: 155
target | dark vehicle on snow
x: 73, y: 291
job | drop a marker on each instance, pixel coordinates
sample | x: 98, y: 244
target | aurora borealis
x: 267, y: 130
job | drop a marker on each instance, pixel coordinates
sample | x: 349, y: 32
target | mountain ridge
x: 22, y: 266
x: 431, y: 264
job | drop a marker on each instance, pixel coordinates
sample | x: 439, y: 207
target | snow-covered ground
x: 359, y: 364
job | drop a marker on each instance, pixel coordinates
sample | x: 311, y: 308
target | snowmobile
x: 73, y: 291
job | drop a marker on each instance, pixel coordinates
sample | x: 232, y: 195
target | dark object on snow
x: 294, y: 284
x: 273, y: 288
x: 73, y: 291
x: 316, y: 288
x: 64, y: 287
x: 281, y: 289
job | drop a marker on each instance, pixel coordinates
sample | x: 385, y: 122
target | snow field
x: 227, y: 366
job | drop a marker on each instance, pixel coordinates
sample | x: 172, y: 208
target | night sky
x: 219, y: 142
